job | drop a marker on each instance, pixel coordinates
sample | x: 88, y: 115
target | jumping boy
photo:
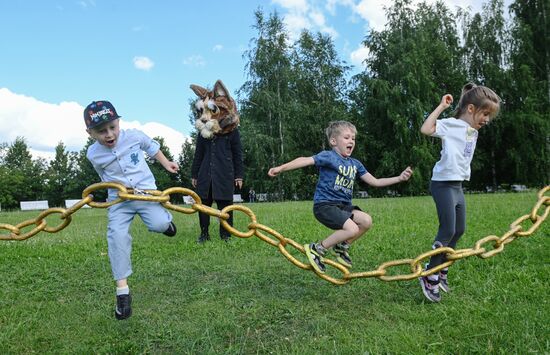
x: 332, y: 200
x: 117, y: 156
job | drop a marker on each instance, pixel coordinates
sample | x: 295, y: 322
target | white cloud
x: 319, y: 20
x: 173, y: 139
x: 293, y: 5
x: 296, y: 23
x: 143, y: 63
x: 330, y: 5
x: 217, y: 48
x: 373, y: 12
x: 44, y: 125
x: 317, y: 15
x: 303, y: 15
x: 195, y: 61
x: 86, y: 3
x: 359, y: 55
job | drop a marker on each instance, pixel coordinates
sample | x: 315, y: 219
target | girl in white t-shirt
x: 478, y: 105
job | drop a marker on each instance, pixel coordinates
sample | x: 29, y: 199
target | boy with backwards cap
x: 117, y: 156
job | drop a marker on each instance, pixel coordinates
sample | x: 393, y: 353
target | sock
x: 122, y: 290
x: 434, y: 277
x: 320, y: 248
x: 345, y: 245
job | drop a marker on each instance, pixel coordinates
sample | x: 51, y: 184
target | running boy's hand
x: 446, y: 101
x: 172, y: 167
x: 406, y: 174
x: 274, y: 171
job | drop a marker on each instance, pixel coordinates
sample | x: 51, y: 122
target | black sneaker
x: 443, y: 281
x: 315, y: 258
x: 225, y: 237
x: 203, y: 238
x: 123, y: 308
x: 171, y: 231
x: 342, y: 256
x: 430, y: 288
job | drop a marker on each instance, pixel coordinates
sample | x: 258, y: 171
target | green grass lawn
x: 57, y: 295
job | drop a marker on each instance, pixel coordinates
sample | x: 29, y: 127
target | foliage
x: 265, y: 110
x: 403, y: 82
x: 185, y: 160
x: 245, y: 297
x: 295, y: 87
x: 164, y: 179
x: 61, y: 176
x: 24, y: 175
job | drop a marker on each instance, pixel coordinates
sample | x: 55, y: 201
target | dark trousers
x: 451, y: 212
x: 204, y: 219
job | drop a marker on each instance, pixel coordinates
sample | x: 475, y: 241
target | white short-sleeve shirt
x: 125, y: 163
x: 458, y: 146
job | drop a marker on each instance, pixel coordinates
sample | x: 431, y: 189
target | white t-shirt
x: 125, y: 163
x: 458, y: 146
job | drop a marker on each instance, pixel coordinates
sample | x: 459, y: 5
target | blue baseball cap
x: 99, y: 112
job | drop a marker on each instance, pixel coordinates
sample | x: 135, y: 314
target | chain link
x: 537, y: 216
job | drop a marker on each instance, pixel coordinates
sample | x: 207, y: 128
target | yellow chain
x: 274, y: 238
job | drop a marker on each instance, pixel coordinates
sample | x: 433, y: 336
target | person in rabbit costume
x: 218, y: 161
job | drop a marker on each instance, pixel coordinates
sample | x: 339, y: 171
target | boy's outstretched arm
x: 297, y: 163
x: 428, y: 127
x: 167, y: 164
x: 372, y: 181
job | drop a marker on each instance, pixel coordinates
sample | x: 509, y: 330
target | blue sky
x: 142, y: 55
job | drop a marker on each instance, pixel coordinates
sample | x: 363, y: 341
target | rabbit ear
x: 199, y: 91
x: 220, y: 89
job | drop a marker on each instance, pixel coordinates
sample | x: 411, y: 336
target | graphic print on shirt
x: 134, y: 157
x: 471, y: 137
x: 345, y: 178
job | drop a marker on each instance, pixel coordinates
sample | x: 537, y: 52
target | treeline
x: 23, y: 178
x: 293, y: 89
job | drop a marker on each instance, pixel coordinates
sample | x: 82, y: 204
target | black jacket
x: 218, y: 161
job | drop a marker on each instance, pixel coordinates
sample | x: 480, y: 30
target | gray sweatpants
x: 451, y: 212
x: 119, y: 241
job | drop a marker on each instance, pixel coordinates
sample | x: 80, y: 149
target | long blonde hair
x: 481, y: 97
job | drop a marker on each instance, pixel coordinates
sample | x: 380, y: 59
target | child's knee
x: 445, y: 235
x: 159, y: 227
x: 363, y: 220
x: 352, y: 227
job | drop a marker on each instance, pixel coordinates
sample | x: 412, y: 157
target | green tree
x: 526, y: 123
x: 411, y: 63
x: 318, y: 87
x: 28, y: 174
x: 163, y: 178
x: 185, y: 160
x: 61, y: 176
x: 265, y: 111
x: 485, y: 36
x: 86, y: 175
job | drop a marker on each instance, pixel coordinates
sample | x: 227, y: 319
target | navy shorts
x: 333, y: 215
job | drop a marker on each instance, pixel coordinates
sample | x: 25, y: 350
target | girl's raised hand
x: 446, y: 100
x: 406, y: 174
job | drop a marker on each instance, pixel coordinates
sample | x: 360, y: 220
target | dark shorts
x: 333, y: 215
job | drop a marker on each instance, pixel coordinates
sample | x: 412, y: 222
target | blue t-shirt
x: 336, y: 177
